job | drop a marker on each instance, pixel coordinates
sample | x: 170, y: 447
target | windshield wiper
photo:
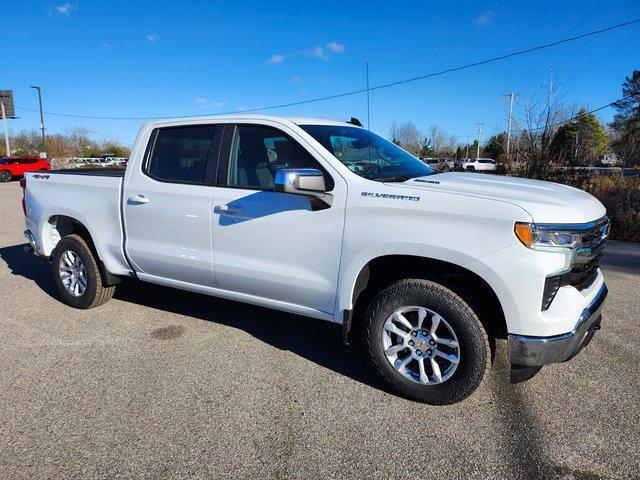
x: 398, y: 178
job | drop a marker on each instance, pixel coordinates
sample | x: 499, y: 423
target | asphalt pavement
x: 159, y: 383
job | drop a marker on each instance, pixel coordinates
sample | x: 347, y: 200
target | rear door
x: 167, y: 205
x: 269, y: 244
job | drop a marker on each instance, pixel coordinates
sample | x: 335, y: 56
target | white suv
x: 479, y: 165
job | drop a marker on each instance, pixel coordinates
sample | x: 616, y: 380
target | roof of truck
x: 294, y: 119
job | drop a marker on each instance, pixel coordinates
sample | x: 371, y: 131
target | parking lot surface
x: 160, y: 383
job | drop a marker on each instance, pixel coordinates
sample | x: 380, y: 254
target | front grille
x: 588, y: 253
x: 583, y: 275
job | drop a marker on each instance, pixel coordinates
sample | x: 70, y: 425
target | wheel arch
x: 59, y: 226
x: 381, y: 271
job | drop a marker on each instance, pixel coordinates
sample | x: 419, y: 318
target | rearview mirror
x: 301, y: 181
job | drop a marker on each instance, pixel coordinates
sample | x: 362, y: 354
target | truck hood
x: 546, y: 202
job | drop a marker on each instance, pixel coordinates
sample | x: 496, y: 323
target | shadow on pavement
x: 316, y: 340
x: 29, y: 266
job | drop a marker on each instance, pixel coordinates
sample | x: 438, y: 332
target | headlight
x: 546, y: 236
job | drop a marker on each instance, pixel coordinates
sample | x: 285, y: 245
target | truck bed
x: 89, y: 196
x: 98, y: 172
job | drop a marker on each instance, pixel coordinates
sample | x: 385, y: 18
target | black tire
x: 471, y: 169
x: 95, y: 293
x: 475, y: 354
x: 5, y: 176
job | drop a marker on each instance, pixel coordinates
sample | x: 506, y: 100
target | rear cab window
x: 181, y: 154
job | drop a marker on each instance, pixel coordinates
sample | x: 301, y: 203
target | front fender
x: 362, y: 258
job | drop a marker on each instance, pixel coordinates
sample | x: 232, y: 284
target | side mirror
x: 301, y: 181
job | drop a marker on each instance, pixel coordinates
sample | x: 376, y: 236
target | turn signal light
x: 524, y: 233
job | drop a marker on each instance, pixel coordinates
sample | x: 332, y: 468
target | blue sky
x: 161, y: 58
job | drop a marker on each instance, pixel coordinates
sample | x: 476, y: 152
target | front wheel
x: 471, y: 169
x: 5, y: 176
x: 426, y: 342
x: 77, y: 275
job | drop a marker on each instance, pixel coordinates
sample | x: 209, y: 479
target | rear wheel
x: 426, y: 342
x: 77, y: 275
x: 5, y: 176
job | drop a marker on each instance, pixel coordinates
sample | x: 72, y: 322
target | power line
x: 356, y: 92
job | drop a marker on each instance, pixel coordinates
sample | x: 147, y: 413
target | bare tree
x: 437, y: 138
x: 536, y: 125
x: 407, y: 136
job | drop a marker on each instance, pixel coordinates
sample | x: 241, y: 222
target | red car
x: 11, y: 167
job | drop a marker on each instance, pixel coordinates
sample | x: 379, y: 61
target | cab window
x: 257, y: 153
x: 180, y: 154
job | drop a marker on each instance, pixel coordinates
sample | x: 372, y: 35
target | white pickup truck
x: 328, y: 220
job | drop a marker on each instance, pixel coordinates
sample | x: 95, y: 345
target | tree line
x: 547, y: 133
x: 75, y: 142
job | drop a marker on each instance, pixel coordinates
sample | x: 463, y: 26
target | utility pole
x: 480, y: 124
x: 550, y: 99
x: 44, y: 146
x: 510, y: 95
x: 466, y: 155
x: 6, y: 133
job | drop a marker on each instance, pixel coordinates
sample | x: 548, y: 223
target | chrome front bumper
x: 539, y: 351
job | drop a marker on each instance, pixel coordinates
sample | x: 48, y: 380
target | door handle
x: 226, y: 209
x: 138, y: 200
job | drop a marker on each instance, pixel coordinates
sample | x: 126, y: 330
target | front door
x: 167, y: 206
x: 268, y: 244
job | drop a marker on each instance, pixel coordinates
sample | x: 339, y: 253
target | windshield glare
x: 367, y: 154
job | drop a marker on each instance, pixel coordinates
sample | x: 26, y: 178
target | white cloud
x: 484, y: 19
x: 304, y: 91
x: 316, y: 52
x: 323, y: 53
x: 336, y: 47
x: 200, y: 100
x: 296, y: 79
x: 152, y: 37
x: 218, y: 104
x: 276, y: 59
x: 66, y: 9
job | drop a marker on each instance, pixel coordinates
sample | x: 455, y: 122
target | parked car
x: 379, y: 246
x: 439, y: 164
x: 479, y: 165
x: 16, y: 166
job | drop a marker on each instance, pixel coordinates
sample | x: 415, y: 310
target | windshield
x: 367, y: 154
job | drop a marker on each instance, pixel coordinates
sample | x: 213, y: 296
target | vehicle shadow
x: 315, y: 340
x: 29, y: 266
